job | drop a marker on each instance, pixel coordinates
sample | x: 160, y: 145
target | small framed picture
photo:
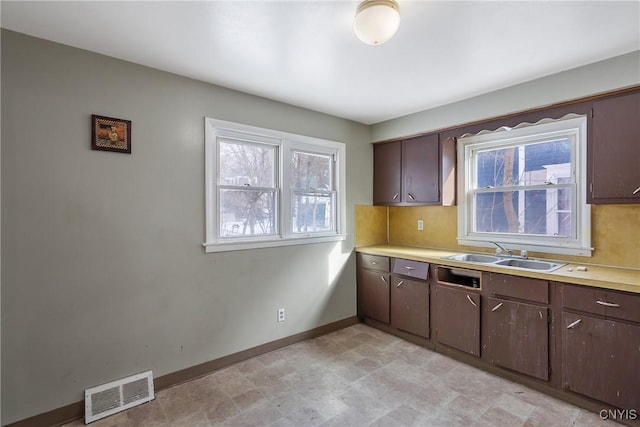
x: 110, y: 134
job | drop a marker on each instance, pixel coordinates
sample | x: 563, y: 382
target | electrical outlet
x: 420, y: 225
x: 281, y: 315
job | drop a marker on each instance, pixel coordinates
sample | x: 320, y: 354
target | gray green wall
x: 599, y: 77
x: 103, y: 272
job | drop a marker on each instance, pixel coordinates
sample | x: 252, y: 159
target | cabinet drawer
x: 406, y: 267
x: 519, y: 287
x: 604, y: 302
x: 375, y: 262
x: 583, y: 299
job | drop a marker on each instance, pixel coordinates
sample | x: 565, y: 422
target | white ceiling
x: 305, y: 53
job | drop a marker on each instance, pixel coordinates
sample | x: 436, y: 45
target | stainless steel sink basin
x: 520, y: 263
x: 530, y: 264
x: 474, y: 258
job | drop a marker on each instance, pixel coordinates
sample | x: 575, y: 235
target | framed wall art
x: 109, y: 134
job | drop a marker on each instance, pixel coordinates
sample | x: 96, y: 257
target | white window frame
x: 285, y: 143
x: 573, y: 127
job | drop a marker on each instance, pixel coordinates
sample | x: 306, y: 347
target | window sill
x: 520, y: 244
x: 259, y: 244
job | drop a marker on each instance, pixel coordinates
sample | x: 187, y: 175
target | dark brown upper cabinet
x: 613, y: 150
x: 387, y: 173
x: 416, y: 171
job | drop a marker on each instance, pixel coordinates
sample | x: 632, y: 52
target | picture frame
x: 110, y: 134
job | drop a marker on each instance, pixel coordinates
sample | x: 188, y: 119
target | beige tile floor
x: 358, y: 376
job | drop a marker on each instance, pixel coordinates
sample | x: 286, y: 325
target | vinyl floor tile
x: 356, y: 377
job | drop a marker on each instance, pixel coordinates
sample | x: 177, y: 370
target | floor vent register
x: 116, y: 396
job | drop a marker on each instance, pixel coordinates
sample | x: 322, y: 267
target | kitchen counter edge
x: 620, y: 279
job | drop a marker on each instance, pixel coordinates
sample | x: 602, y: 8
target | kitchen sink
x: 520, y: 263
x: 530, y: 264
x: 474, y: 258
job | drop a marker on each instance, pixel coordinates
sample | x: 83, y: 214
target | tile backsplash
x: 615, y: 231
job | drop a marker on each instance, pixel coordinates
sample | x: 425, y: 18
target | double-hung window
x: 526, y: 188
x: 312, y: 191
x: 268, y: 188
x: 247, y: 195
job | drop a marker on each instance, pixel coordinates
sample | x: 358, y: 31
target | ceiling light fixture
x: 376, y: 21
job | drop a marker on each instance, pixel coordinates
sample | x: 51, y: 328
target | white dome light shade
x: 376, y: 21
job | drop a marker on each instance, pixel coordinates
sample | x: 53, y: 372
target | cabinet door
x: 410, y: 306
x: 421, y: 170
x: 387, y: 172
x: 601, y: 359
x: 374, y: 295
x: 518, y: 337
x: 614, y: 154
x: 457, y: 319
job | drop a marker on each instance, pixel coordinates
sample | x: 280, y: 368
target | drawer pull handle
x: 384, y: 280
x: 396, y: 196
x: 637, y: 190
x: 574, y: 324
x: 471, y: 301
x: 374, y: 262
x: 409, y: 268
x: 607, y: 304
x: 496, y: 307
x: 411, y: 196
x: 399, y: 283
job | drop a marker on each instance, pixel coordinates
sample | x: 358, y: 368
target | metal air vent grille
x: 108, y: 399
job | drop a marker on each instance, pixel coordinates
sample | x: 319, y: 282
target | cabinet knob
x: 396, y: 196
x: 400, y: 283
x: 471, y: 301
x: 411, y: 196
x: 574, y: 324
x: 637, y: 190
x: 384, y: 279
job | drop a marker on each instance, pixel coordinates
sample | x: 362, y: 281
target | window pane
x: 530, y: 164
x: 312, y: 212
x: 527, y: 212
x: 310, y: 171
x: 247, y: 164
x: 247, y: 213
x: 564, y: 199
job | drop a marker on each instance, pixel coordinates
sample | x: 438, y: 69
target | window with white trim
x: 268, y: 188
x: 526, y: 188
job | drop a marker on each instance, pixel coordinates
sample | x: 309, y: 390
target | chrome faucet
x: 523, y: 253
x: 500, y: 247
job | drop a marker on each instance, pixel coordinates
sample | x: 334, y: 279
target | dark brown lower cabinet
x: 518, y: 337
x: 601, y: 359
x: 580, y: 341
x: 457, y: 318
x: 374, y: 295
x: 410, y: 306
